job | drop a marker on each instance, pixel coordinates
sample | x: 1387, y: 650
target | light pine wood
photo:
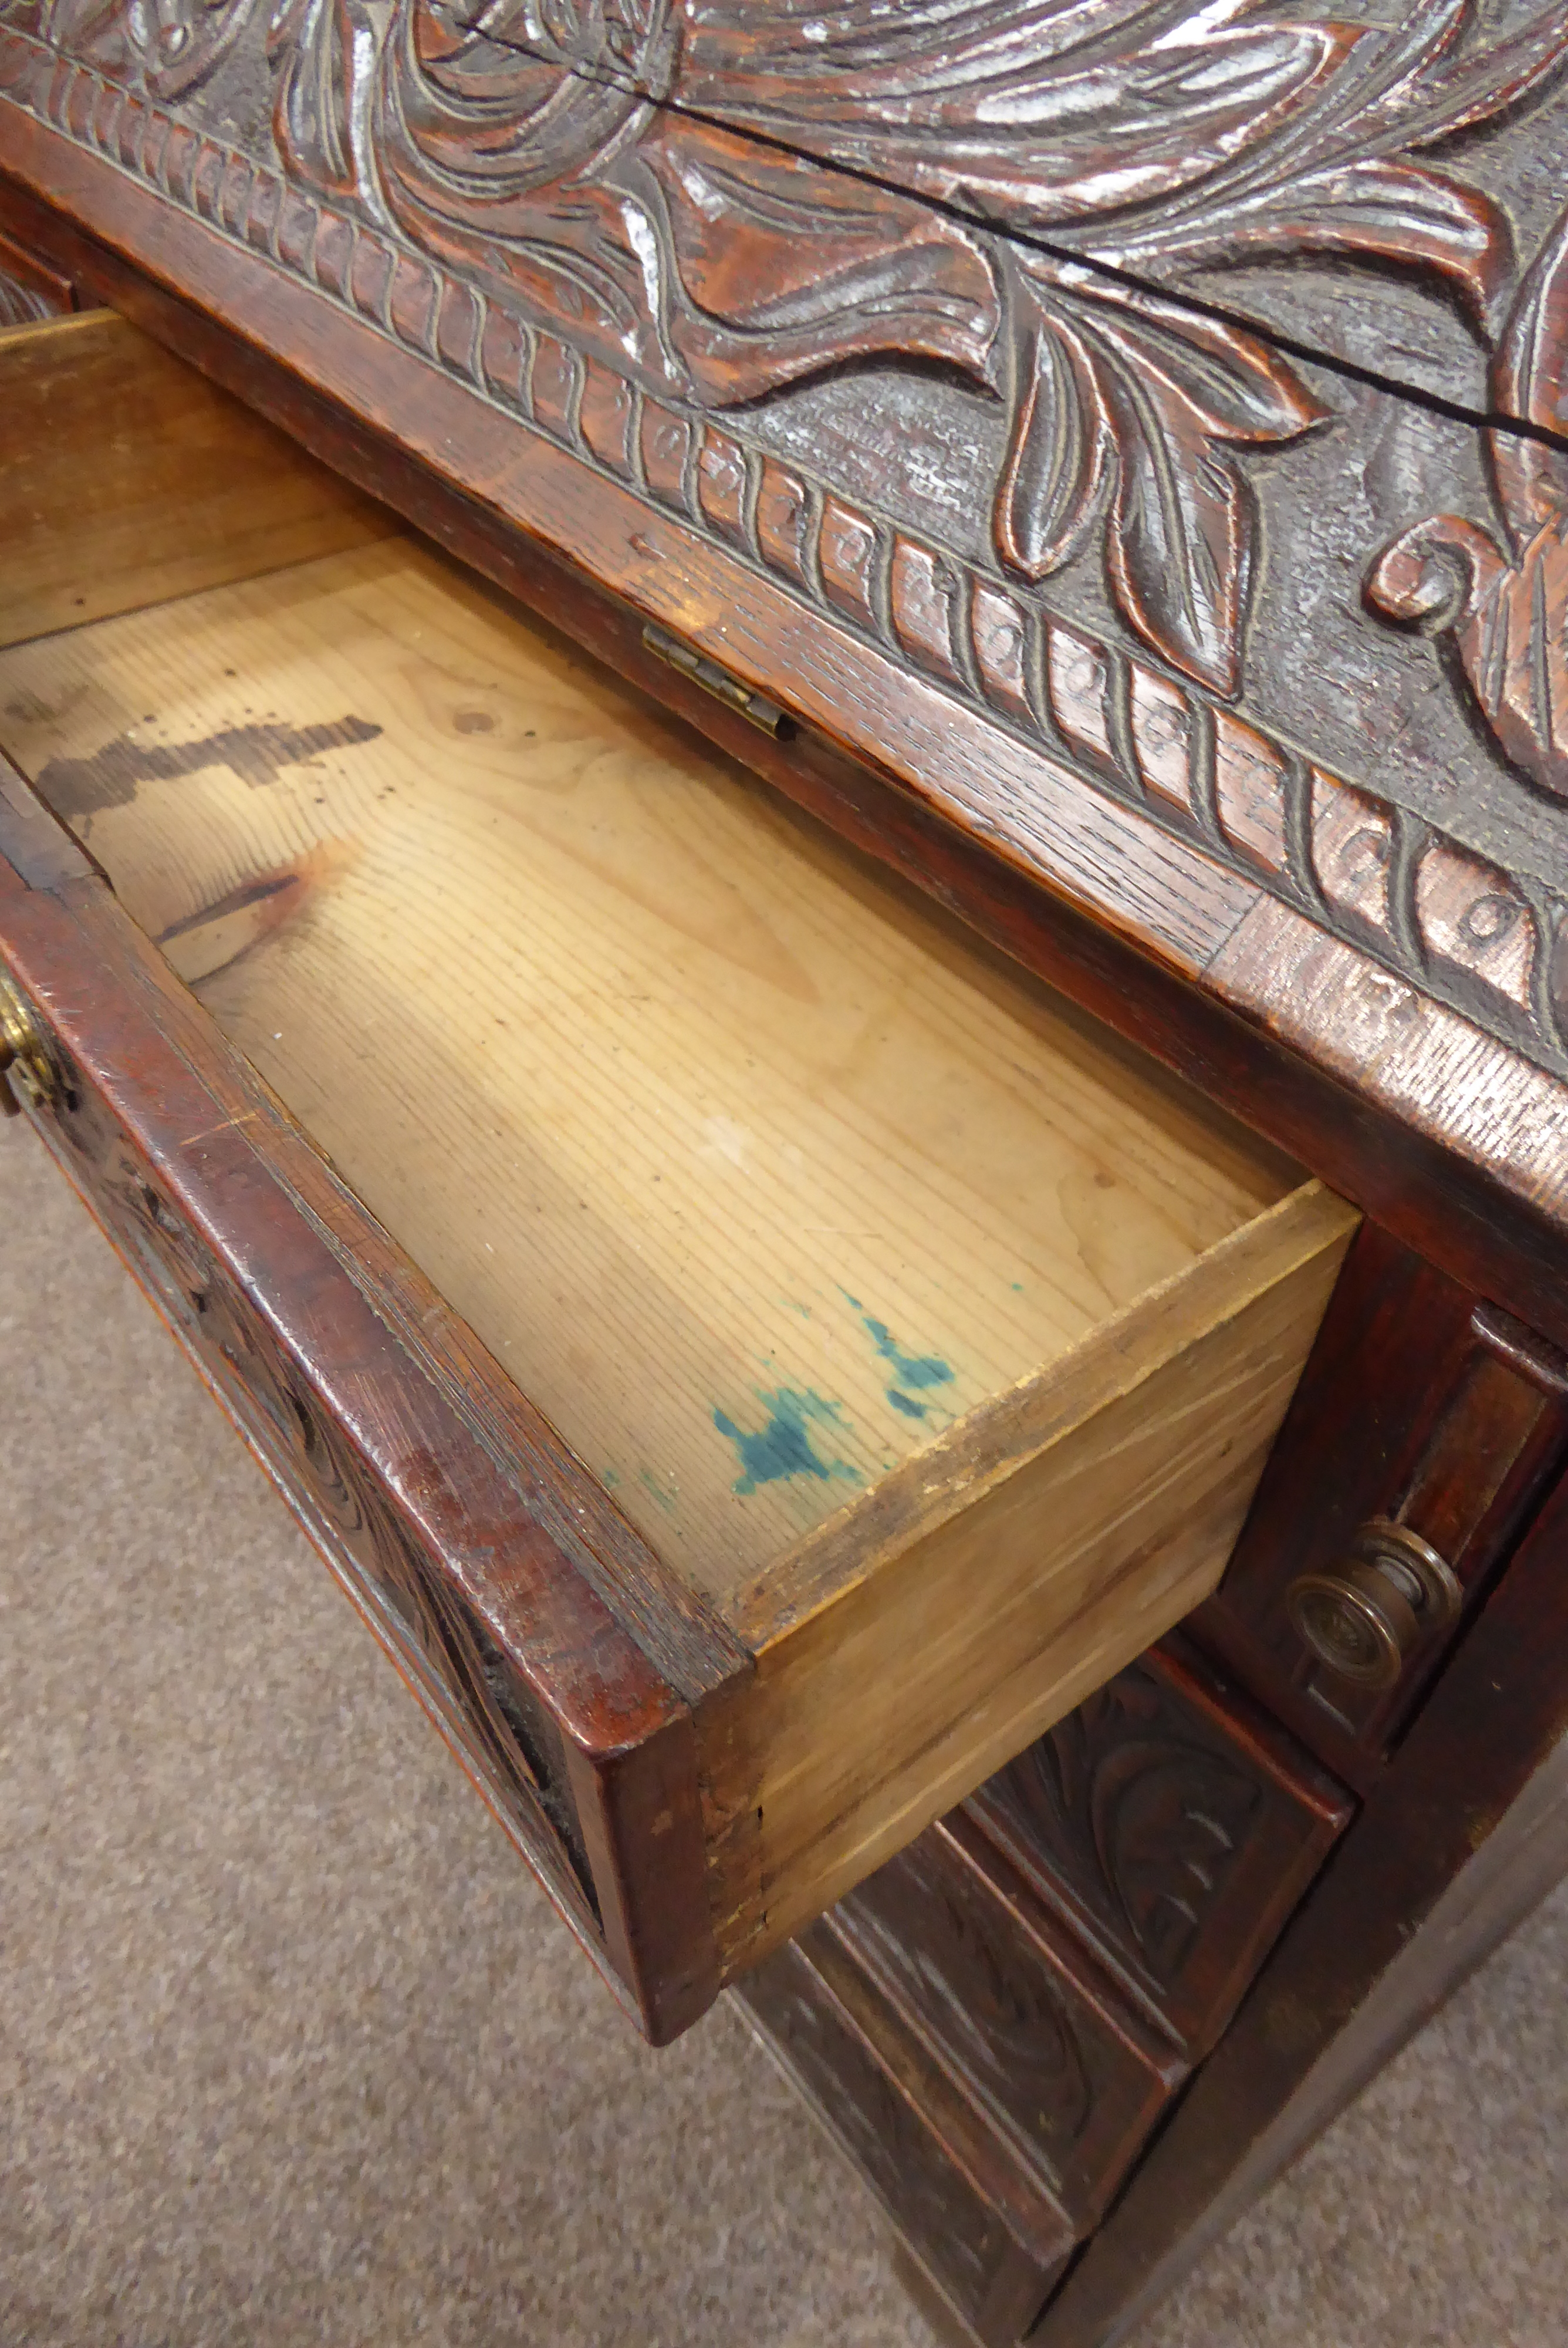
x: 937, y: 1338
x: 129, y: 478
x: 698, y: 1124
x: 922, y: 1640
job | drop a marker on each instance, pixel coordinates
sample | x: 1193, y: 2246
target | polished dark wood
x: 1139, y: 486
x: 987, y: 2240
x: 1494, y: 1722
x: 1175, y: 1827
x: 1042, y: 2038
x: 29, y: 289
x: 560, y: 1661
x: 1306, y: 178
x: 1379, y: 1129
x: 1418, y: 1405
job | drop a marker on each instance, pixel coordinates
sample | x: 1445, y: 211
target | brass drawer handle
x: 1364, y: 1620
x: 24, y: 1056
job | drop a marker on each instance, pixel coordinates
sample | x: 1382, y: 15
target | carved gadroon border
x: 1487, y: 945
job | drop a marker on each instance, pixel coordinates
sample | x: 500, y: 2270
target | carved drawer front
x: 1037, y: 2035
x: 890, y: 1350
x: 991, y: 2243
x: 1175, y: 1827
x: 1422, y: 1409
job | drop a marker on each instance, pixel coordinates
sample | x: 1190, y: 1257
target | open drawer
x: 755, y: 1356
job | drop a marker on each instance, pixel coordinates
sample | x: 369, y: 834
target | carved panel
x: 961, y: 2236
x: 492, y: 1718
x: 1175, y: 1834
x: 546, y: 218
x: 1037, y: 2037
x: 1497, y: 598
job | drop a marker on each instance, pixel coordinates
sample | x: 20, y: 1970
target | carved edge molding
x: 21, y: 304
x: 1439, y: 917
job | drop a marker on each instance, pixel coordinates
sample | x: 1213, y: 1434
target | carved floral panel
x: 1166, y: 1835
x: 598, y: 162
x: 648, y: 226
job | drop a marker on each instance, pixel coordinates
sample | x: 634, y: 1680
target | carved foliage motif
x: 926, y: 2193
x: 512, y: 1745
x: 1429, y: 910
x: 927, y: 1931
x: 597, y: 162
x: 1141, y: 1820
x: 1501, y: 600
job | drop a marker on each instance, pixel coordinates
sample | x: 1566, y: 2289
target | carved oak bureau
x: 783, y: 831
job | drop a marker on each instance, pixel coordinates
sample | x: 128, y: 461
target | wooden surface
x: 737, y: 1164
x: 1495, y: 1720
x: 1286, y: 174
x: 1044, y: 2042
x: 29, y: 289
x: 127, y: 479
x: 991, y: 2243
x: 1175, y: 1827
x: 910, y: 541
x: 930, y: 1337
x: 1411, y: 1109
x: 948, y: 1649
x: 1437, y: 1412
x: 563, y: 1667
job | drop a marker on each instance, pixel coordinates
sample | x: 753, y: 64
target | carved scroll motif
x: 1501, y: 601
x: 545, y: 296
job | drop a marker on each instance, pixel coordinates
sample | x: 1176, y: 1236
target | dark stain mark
x: 473, y: 721
x: 783, y: 1447
x: 254, y: 893
x: 83, y: 787
x: 910, y: 1408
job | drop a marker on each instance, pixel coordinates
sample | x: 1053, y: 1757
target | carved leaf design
x: 598, y: 161
x: 1120, y: 382
x: 170, y: 46
x: 1506, y: 606
x: 1137, y: 132
x: 1142, y: 1820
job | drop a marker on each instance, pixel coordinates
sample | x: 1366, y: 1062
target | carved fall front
x: 558, y: 228
x: 601, y: 162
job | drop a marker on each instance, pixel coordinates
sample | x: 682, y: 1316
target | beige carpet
x: 291, y: 2051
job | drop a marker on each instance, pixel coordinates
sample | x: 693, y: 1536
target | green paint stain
x: 650, y: 1484
x: 783, y: 1447
x: 920, y: 1371
x: 609, y: 1479
x: 1017, y: 1288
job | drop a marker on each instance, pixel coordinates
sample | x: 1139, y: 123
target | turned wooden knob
x: 1364, y: 1618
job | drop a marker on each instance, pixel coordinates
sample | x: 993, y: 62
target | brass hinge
x: 744, y: 699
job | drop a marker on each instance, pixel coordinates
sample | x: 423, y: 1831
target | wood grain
x: 988, y: 2236
x: 1073, y: 885
x: 754, y: 1180
x: 940, y: 1655
x: 521, y: 1610
x: 925, y: 1332
x: 127, y: 479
